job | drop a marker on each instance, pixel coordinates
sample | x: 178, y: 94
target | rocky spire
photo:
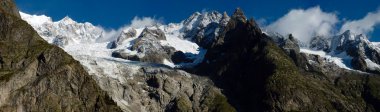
x: 239, y: 15
x: 225, y: 19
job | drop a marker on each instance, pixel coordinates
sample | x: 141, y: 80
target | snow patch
x: 307, y: 51
x: 372, y: 65
x: 166, y: 62
x: 342, y: 60
x: 180, y: 44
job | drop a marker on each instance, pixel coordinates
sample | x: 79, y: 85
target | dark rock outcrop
x: 153, y: 32
x: 148, y: 44
x: 180, y: 57
x: 37, y: 76
x: 320, y: 43
x: 61, y: 41
x: 359, y: 64
x: 123, y: 55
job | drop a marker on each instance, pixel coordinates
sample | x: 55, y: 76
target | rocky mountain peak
x: 239, y: 15
x: 347, y: 40
x: 204, y: 28
x: 348, y: 35
x: 192, y: 18
x: 8, y: 6
x: 201, y: 20
x: 225, y: 19
x: 225, y: 15
x: 320, y: 43
x: 153, y: 32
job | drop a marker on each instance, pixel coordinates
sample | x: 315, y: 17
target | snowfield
x: 82, y: 39
x: 342, y: 60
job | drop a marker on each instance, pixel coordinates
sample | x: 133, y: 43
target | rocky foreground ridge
x: 37, y: 76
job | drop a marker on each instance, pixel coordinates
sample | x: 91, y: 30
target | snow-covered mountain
x: 65, y: 31
x: 365, y: 54
x: 110, y: 57
x: 184, y: 36
x: 347, y: 50
x: 184, y: 44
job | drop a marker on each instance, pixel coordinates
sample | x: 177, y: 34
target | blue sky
x: 116, y: 13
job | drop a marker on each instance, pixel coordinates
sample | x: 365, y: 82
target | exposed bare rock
x: 154, y: 87
x: 37, y: 76
x: 8, y: 7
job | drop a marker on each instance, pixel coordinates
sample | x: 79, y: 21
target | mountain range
x: 210, y: 61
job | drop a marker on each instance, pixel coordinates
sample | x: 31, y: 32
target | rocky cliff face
x: 154, y: 88
x: 37, y: 76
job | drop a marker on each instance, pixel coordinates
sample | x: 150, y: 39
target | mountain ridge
x: 255, y: 71
x: 37, y: 76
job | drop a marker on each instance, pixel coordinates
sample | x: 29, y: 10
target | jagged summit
x: 201, y: 19
x: 239, y: 15
x: 67, y: 20
x: 225, y: 18
x: 204, y: 28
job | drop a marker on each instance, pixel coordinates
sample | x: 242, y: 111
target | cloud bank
x: 109, y: 34
x: 363, y: 26
x: 304, y: 24
x: 138, y: 22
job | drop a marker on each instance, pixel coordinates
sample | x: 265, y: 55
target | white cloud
x: 304, y: 24
x: 363, y: 26
x: 109, y: 35
x: 138, y: 22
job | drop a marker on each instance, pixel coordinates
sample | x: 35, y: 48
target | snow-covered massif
x: 86, y: 39
x: 192, y: 37
x: 347, y: 50
x: 94, y: 47
x: 65, y: 31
